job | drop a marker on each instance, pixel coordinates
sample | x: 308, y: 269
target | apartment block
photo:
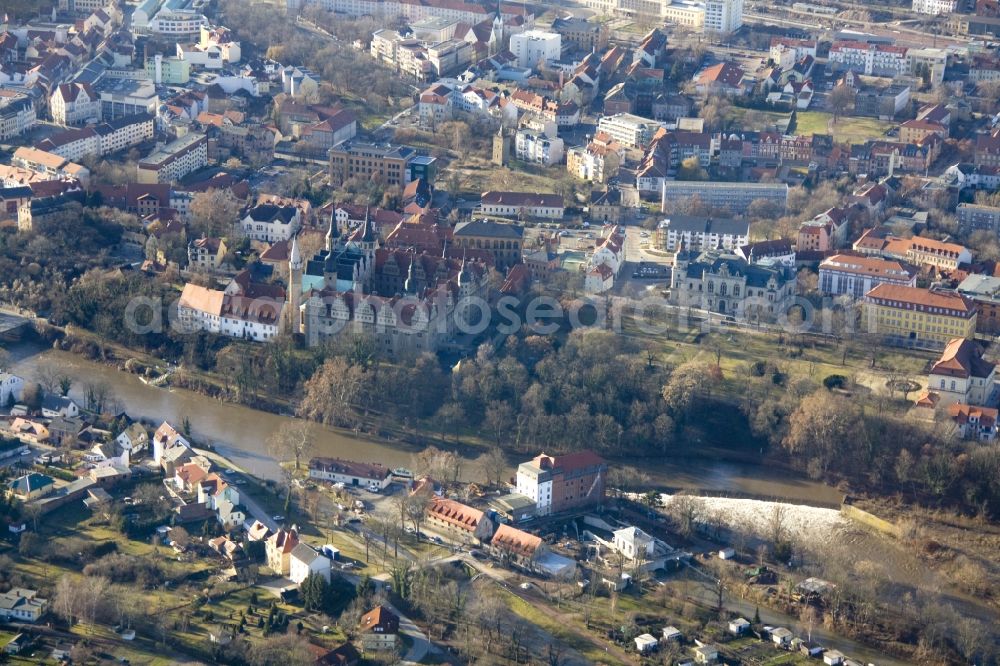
x: 869, y: 59
x: 174, y: 160
x: 701, y: 233
x: 538, y: 148
x: 734, y: 197
x: 935, y: 7
x: 17, y: 114
x: 972, y: 217
x: 629, y: 130
x: 391, y: 164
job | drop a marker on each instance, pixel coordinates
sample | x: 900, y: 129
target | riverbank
x: 241, y: 433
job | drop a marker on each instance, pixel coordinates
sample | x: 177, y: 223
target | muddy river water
x: 242, y: 433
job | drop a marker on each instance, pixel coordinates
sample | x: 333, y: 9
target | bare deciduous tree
x: 292, y: 441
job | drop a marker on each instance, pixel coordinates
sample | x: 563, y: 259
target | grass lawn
x: 853, y: 130
x: 738, y: 349
x: 765, y: 118
x: 142, y: 651
x: 553, y: 626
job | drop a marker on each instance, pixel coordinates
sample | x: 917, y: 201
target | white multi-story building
x: 535, y: 47
x: 538, y: 148
x: 450, y: 56
x: 688, y: 13
x: 467, y: 12
x: 175, y: 160
x: 855, y: 276
x: 962, y: 375
x: 573, y: 481
x: 629, y: 130
x: 234, y: 315
x: 723, y: 16
x: 598, y: 161
x: 73, y: 144
x: 513, y: 204
x: 121, y: 133
x: 870, y: 59
x: 935, y: 60
x: 74, y: 104
x: 271, y: 223
x: 701, y: 233
x: 126, y: 97
x: 101, y: 139
x: 17, y: 114
x: 220, y: 39
x: 178, y: 23
x: 735, y: 197
x: 934, y: 6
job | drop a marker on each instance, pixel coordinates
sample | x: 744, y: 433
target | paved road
x: 254, y: 510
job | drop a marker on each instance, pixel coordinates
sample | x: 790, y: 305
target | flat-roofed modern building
x: 701, y: 233
x: 973, y: 217
x: 126, y: 97
x: 734, y: 197
x: 174, y: 160
x: 984, y: 290
x: 367, y: 160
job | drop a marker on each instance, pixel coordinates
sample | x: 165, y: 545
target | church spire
x: 410, y: 286
x: 331, y: 234
x: 367, y: 234
x: 463, y: 275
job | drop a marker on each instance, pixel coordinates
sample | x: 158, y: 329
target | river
x: 241, y: 434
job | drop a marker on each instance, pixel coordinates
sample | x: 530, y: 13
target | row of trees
x: 594, y: 390
x: 866, y: 441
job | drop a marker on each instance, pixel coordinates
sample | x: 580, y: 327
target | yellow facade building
x: 915, y: 317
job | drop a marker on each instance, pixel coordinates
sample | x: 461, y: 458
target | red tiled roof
x: 871, y: 266
x: 569, y: 461
x: 514, y: 540
x: 922, y: 298
x: 962, y: 358
x: 374, y: 471
x: 726, y: 73
x: 284, y: 540
x: 380, y: 617
x: 455, y: 513
x: 962, y: 414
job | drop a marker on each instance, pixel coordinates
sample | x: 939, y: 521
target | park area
x: 846, y: 129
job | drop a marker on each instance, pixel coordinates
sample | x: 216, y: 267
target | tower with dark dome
x: 294, y: 297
